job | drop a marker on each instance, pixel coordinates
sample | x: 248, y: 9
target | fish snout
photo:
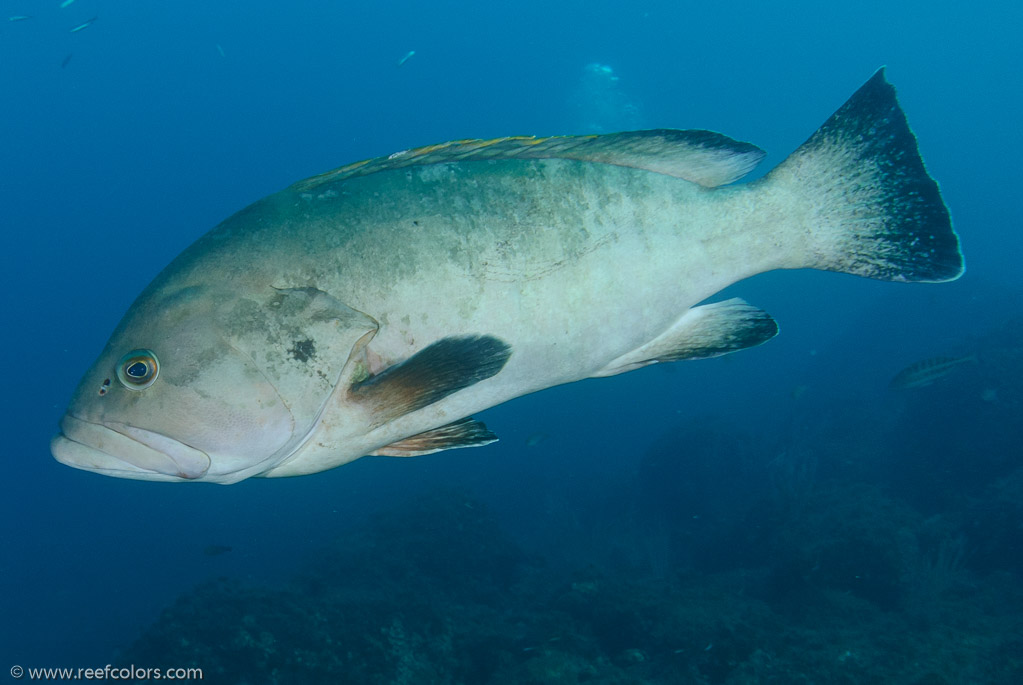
x: 125, y: 451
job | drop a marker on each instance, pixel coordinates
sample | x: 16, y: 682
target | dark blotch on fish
x: 303, y: 350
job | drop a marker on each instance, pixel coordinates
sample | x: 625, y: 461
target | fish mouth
x: 115, y: 449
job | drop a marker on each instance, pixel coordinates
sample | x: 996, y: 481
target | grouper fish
x: 374, y: 309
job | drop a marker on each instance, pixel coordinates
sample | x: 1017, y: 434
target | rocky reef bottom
x: 435, y: 592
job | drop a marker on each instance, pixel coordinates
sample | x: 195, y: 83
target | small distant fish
x: 536, y: 438
x: 215, y: 550
x: 65, y: 61
x: 66, y: 3
x: 220, y: 50
x: 19, y: 17
x: 406, y: 57
x: 926, y: 371
x: 85, y: 25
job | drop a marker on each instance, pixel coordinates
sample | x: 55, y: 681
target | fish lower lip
x: 120, y: 448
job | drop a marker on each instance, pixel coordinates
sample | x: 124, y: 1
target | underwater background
x: 780, y: 515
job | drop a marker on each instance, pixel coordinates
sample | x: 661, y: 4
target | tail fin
x: 874, y: 210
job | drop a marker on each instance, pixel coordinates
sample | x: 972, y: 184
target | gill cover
x: 302, y: 339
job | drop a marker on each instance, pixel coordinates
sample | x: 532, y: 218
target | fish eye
x: 138, y: 369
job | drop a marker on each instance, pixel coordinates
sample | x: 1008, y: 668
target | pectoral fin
x: 707, y: 331
x: 446, y: 366
x: 465, y: 433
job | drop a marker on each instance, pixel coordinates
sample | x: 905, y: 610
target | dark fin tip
x: 445, y: 367
x: 735, y: 327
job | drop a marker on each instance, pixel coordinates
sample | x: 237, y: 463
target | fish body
x: 372, y: 310
x: 19, y: 17
x: 927, y: 371
x: 84, y: 25
x: 535, y: 439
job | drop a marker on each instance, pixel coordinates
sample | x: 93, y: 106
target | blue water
x: 167, y: 117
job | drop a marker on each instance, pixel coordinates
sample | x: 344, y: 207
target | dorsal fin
x: 703, y: 157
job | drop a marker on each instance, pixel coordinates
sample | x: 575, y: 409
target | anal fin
x: 710, y: 330
x: 467, y: 432
x: 447, y: 366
